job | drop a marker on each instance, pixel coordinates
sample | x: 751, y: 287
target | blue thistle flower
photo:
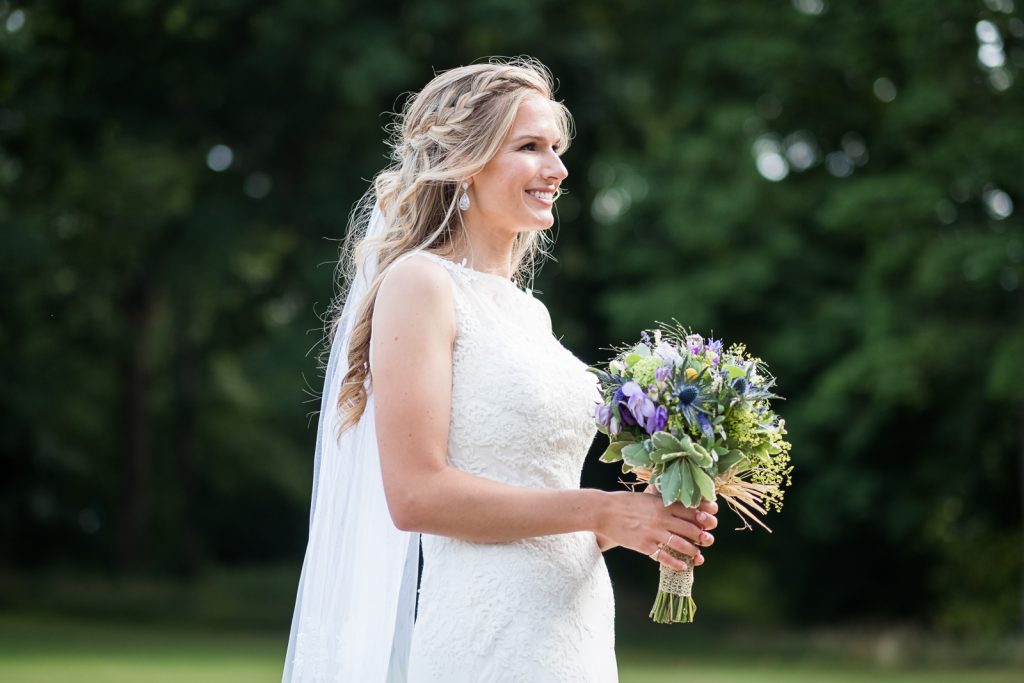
x: 691, y: 404
x: 688, y: 394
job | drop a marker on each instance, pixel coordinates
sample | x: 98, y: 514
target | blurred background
x: 839, y: 184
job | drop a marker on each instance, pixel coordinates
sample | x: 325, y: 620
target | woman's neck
x: 486, y: 253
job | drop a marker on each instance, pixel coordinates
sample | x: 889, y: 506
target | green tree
x: 838, y: 185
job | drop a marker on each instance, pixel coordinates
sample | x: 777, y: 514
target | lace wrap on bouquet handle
x: 677, y: 582
x: 355, y: 606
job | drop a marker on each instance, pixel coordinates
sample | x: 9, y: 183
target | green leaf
x: 670, y: 481
x: 729, y: 459
x: 705, y: 484
x: 701, y: 458
x: 614, y: 451
x: 687, y: 488
x: 668, y: 456
x: 665, y: 441
x: 735, y: 371
x: 636, y: 455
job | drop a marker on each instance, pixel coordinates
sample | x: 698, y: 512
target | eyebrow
x: 558, y: 142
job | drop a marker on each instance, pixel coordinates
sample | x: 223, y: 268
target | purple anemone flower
x: 603, y: 415
x: 619, y: 399
x: 637, y: 400
x: 657, y: 421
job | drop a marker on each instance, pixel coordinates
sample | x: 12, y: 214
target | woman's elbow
x: 402, y: 520
x: 406, y: 511
x: 413, y: 497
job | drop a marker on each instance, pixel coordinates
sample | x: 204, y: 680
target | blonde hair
x: 445, y: 133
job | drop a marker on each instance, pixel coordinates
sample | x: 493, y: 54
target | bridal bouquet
x: 696, y: 421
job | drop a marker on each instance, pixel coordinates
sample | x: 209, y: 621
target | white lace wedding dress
x: 538, y: 609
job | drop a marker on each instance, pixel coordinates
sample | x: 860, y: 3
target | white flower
x: 667, y: 352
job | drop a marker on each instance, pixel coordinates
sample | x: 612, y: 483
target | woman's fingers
x: 680, y: 545
x: 683, y: 546
x: 708, y: 506
x: 686, y: 531
x: 707, y: 518
x: 704, y: 519
x: 693, y: 533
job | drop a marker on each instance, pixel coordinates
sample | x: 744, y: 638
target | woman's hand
x: 641, y: 522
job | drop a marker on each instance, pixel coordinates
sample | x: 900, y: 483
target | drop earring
x: 464, y: 199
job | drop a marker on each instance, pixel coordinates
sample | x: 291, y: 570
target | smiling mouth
x: 546, y: 197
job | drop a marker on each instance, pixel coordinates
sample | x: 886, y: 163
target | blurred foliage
x: 840, y: 185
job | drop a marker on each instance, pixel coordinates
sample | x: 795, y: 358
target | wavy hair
x: 444, y: 134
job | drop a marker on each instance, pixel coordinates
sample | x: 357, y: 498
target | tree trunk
x: 133, y: 424
x: 1021, y: 494
x: 188, y: 390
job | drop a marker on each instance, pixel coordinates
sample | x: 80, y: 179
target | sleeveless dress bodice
x: 537, y: 609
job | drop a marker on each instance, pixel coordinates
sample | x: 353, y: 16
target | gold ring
x: 654, y: 555
x: 669, y: 541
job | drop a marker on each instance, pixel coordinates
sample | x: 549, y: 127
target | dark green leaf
x: 729, y: 459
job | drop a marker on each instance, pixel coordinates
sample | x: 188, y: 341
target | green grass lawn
x: 37, y: 649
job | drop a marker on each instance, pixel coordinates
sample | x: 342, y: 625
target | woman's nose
x: 556, y: 168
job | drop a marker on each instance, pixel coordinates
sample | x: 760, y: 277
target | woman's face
x: 513, y: 192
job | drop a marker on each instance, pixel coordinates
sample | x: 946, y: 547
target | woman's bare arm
x: 413, y: 334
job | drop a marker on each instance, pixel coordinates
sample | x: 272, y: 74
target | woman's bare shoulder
x: 417, y: 269
x: 415, y: 293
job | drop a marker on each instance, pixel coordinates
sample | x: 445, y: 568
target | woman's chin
x: 544, y: 220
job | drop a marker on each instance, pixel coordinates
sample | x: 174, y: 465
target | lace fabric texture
x: 538, y: 609
x: 677, y: 582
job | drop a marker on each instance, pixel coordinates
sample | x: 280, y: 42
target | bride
x: 453, y: 416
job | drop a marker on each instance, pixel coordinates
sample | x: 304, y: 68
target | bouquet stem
x: 673, y: 604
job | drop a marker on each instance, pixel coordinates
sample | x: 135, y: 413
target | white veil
x: 357, y: 593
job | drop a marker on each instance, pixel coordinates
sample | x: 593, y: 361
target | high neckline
x: 462, y: 266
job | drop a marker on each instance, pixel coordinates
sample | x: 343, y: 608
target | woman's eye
x: 532, y: 147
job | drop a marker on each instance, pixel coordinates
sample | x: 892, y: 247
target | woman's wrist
x: 597, y: 506
x: 600, y: 506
